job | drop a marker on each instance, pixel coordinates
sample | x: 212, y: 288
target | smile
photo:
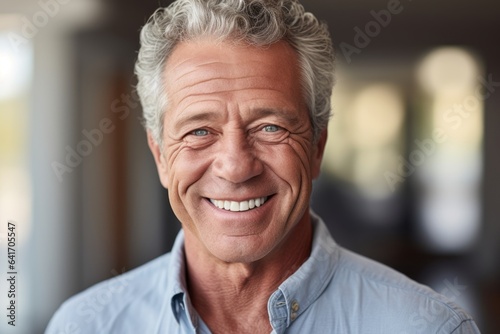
x: 239, y: 206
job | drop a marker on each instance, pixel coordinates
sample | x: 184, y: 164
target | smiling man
x: 236, y: 98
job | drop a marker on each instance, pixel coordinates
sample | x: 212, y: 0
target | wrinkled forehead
x: 226, y: 59
x: 202, y: 70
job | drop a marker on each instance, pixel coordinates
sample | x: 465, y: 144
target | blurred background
x: 411, y: 175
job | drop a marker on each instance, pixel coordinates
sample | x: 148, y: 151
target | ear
x: 161, y: 163
x: 318, y: 151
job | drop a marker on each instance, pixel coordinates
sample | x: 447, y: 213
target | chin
x: 239, y: 251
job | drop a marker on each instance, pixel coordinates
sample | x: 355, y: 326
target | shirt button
x: 295, y: 306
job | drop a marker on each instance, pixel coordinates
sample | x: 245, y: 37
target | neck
x: 232, y: 297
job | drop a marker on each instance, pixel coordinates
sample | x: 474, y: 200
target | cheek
x: 288, y: 160
x: 185, y: 170
x: 186, y: 167
x: 291, y: 165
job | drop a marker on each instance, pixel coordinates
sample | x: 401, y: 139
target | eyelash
x: 196, y: 132
x: 277, y: 128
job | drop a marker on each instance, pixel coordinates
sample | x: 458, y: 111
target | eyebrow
x: 197, y: 117
x: 285, y: 114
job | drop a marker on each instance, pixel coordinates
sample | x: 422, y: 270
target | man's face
x: 238, y: 157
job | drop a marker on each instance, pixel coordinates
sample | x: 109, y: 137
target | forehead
x: 206, y: 51
x: 208, y: 67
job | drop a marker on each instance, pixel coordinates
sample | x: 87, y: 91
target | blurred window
x: 15, y: 82
x: 449, y: 125
x: 366, y: 134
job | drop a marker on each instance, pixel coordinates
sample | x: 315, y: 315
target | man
x: 236, y: 104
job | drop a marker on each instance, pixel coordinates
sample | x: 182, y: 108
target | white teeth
x: 239, y: 206
x: 244, y: 206
x: 235, y: 206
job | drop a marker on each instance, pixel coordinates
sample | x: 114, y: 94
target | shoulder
x: 384, y: 298
x: 139, y: 292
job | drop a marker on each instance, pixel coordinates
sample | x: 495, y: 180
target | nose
x: 236, y: 160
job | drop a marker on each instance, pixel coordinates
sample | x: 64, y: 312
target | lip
x: 238, y: 224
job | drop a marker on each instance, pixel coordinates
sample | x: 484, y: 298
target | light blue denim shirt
x: 334, y: 291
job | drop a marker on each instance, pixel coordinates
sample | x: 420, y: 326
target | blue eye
x: 271, y: 128
x: 200, y: 132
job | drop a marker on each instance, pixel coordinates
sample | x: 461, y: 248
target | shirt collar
x: 177, y: 292
x: 176, y: 277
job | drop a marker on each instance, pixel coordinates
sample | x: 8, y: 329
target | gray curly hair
x: 254, y: 22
